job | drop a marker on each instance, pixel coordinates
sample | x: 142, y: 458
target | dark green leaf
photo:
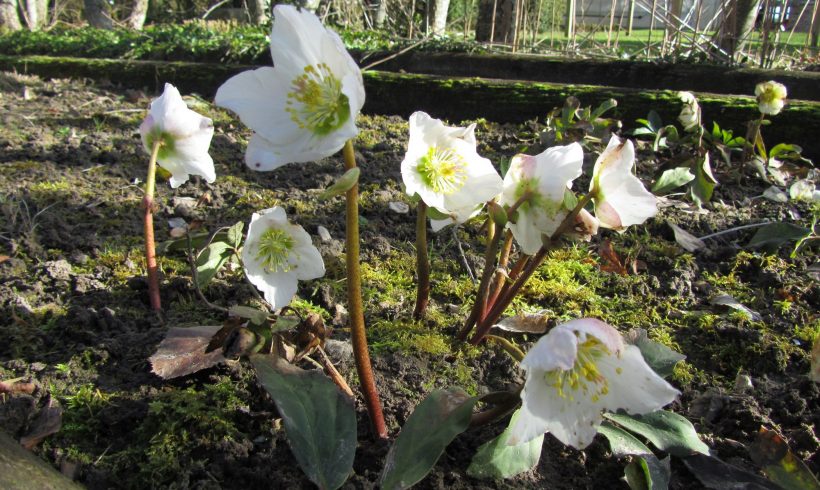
x: 256, y: 316
x: 660, y: 358
x: 235, y: 234
x: 198, y: 240
x: 320, y: 420
x: 605, y: 106
x: 434, y: 213
x: 783, y: 150
x: 672, y: 179
x: 437, y: 420
x: 704, y: 183
x: 647, y: 472
x: 210, y: 261
x: 668, y: 431
x: 776, y: 234
x: 717, y: 475
x: 654, y: 120
x: 642, y: 131
x: 495, y: 459
x: 342, y: 185
x: 285, y: 323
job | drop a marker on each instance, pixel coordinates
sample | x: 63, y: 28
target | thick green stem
x: 422, y: 263
x: 508, y: 347
x: 507, y: 296
x: 354, y: 304
x: 148, y: 223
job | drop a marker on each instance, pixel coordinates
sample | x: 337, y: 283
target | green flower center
x: 584, y: 376
x: 534, y: 199
x: 274, y: 249
x: 442, y: 170
x: 316, y: 101
x: 166, y: 141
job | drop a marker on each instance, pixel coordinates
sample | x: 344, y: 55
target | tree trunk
x: 9, y: 21
x: 257, y: 11
x: 500, y: 11
x: 98, y: 14
x: 740, y: 23
x: 36, y: 12
x: 381, y: 14
x: 139, y: 9
x: 440, y: 8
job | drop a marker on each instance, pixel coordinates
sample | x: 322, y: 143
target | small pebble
x: 324, y: 234
x: 399, y: 207
x: 743, y: 383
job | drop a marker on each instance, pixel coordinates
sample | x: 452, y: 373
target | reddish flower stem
x: 354, y: 303
x: 148, y: 221
x: 422, y: 263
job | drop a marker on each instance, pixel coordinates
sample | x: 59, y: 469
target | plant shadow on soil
x: 75, y: 319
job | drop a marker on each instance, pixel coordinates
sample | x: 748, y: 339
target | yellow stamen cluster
x: 316, y: 101
x: 443, y: 170
x: 584, y: 376
x: 274, y: 248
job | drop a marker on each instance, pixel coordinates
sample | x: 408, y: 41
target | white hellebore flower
x: 277, y: 254
x: 690, y: 114
x: 441, y: 166
x: 771, y: 96
x: 620, y: 198
x: 541, y: 182
x: 574, y: 373
x: 184, y: 137
x: 305, y: 107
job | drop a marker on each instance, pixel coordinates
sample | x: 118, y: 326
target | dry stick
x: 150, y: 249
x: 354, y: 300
x: 422, y: 262
x: 334, y: 374
x: 507, y: 296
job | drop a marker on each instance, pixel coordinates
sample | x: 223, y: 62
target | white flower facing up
x: 771, y: 96
x: 541, y: 183
x: 277, y: 254
x: 442, y: 167
x: 305, y: 107
x: 690, y: 114
x: 620, y: 197
x: 574, y: 373
x: 184, y: 137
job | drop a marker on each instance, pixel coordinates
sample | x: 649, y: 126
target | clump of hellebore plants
x: 177, y: 139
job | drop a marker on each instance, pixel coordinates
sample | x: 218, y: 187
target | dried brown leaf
x: 48, y: 421
x: 182, y: 352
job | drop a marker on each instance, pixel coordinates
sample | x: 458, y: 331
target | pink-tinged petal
x: 586, y: 225
x: 607, y: 216
x: 617, y: 158
x: 526, y: 233
x: 629, y: 198
x: 556, y: 168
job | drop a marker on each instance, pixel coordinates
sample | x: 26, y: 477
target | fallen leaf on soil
x: 731, y: 302
x: 779, y: 464
x: 17, y: 385
x: 610, y: 262
x: 776, y: 194
x: 4, y: 258
x: 182, y: 352
x: 525, y: 323
x: 48, y: 421
x: 688, y: 241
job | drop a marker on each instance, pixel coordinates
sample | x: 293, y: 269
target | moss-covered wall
x: 453, y: 98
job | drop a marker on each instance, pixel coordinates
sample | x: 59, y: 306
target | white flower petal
x: 598, y: 329
x: 555, y: 350
x: 526, y: 233
x: 621, y: 199
x: 633, y: 385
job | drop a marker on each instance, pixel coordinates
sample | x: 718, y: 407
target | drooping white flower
x: 305, y: 107
x: 541, y: 182
x: 184, y: 138
x: 620, y: 197
x: 442, y: 167
x: 690, y: 114
x: 574, y: 373
x: 277, y: 254
x: 771, y: 96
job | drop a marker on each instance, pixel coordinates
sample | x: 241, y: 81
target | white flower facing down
x: 441, y: 166
x: 690, y: 114
x: 620, y: 198
x: 541, y: 182
x: 771, y: 96
x: 575, y: 372
x: 305, y: 107
x: 277, y: 254
x: 184, y: 137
